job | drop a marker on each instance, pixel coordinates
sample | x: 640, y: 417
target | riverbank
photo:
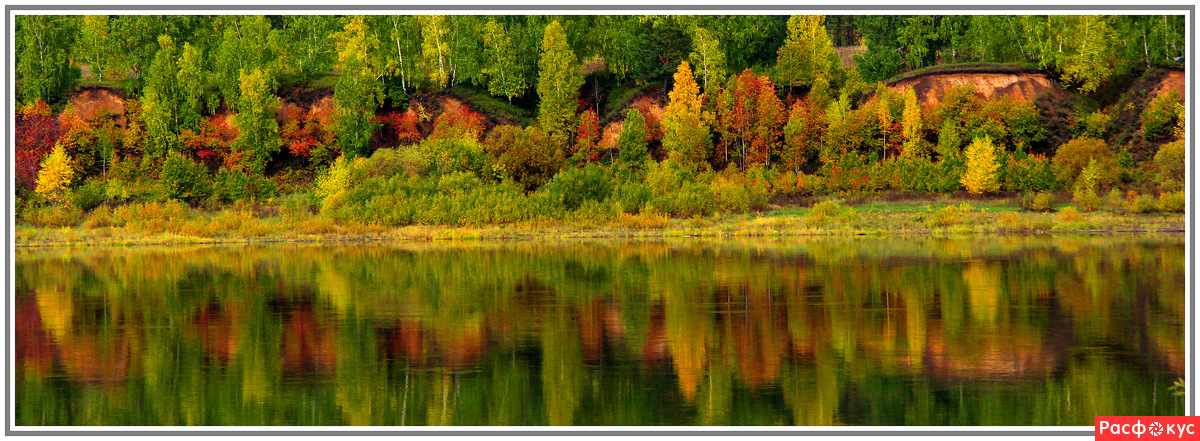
x: 945, y: 216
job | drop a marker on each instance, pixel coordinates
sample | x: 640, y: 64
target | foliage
x: 587, y: 136
x: 709, y: 59
x: 1170, y: 165
x: 1159, y: 117
x: 1094, y: 125
x: 185, y: 179
x: 1085, y: 190
x: 803, y: 135
x: 830, y: 211
x: 529, y: 156
x: 557, y: 84
x: 1172, y: 201
x: 356, y: 93
x: 244, y: 46
x: 36, y: 132
x: 632, y: 140
x: 1027, y: 173
x: 257, y: 131
x: 504, y: 75
x: 807, y: 54
x: 686, y: 135
x: 949, y: 215
x: 43, y: 56
x: 54, y: 177
x: 1040, y: 201
x: 457, y: 121
x: 577, y: 185
x: 736, y: 192
x: 1072, y: 157
x: 983, y: 164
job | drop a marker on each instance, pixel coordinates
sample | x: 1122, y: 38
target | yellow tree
x: 912, y: 124
x: 983, y: 166
x: 686, y: 135
x: 55, y: 175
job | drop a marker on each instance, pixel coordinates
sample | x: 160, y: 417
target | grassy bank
x: 935, y: 215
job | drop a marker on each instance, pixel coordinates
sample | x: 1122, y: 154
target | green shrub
x: 1170, y: 165
x: 458, y: 183
x: 1115, y: 201
x: 185, y: 179
x: 1158, y: 119
x: 578, y: 185
x: 230, y: 186
x: 1069, y: 215
x: 55, y: 215
x: 1084, y: 194
x: 1093, y: 125
x: 1027, y: 173
x: 1138, y: 204
x: 1172, y: 202
x: 1040, y: 201
x: 631, y: 197
x: 1072, y: 157
x: 528, y: 156
x: 236, y: 185
x: 690, y: 199
x: 950, y: 215
x: 825, y: 212
x: 102, y: 216
x: 735, y: 192
x: 91, y: 194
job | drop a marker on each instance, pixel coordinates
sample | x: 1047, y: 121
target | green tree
x: 631, y: 142
x: 191, y: 83
x: 708, y: 58
x: 160, y: 101
x: 258, y: 132
x: 245, y: 45
x: 983, y: 166
x: 686, y: 134
x: 43, y: 44
x: 403, y: 38
x: 504, y: 76
x: 807, y: 54
x: 356, y: 93
x: 95, y: 44
x: 1092, y: 58
x: 558, y: 83
x: 435, y: 50
x: 308, y: 49
x: 918, y: 37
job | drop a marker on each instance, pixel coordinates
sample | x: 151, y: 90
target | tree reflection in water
x: 912, y: 331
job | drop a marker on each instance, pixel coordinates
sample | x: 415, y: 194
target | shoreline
x: 778, y: 223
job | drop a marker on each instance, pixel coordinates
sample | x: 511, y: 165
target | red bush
x: 36, y: 132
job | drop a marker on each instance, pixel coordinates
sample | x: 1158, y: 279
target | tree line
x: 204, y: 116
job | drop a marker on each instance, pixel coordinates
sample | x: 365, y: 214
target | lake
x: 986, y: 330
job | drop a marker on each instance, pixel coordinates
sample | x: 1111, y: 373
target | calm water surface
x: 910, y: 331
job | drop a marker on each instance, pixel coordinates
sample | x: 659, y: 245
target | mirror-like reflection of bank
x: 925, y: 331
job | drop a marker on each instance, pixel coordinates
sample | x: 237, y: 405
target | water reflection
x: 924, y: 331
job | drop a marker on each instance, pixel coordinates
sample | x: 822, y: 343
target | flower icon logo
x: 1156, y: 429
